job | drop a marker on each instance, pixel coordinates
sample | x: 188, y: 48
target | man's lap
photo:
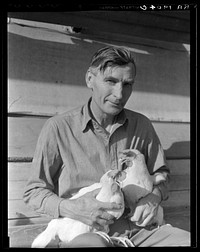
x: 163, y: 236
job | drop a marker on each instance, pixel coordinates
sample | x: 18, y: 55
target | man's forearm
x: 42, y: 201
x: 67, y: 208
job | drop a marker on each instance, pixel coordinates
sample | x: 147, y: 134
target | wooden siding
x: 42, y: 79
x: 24, y: 132
x: 18, y: 174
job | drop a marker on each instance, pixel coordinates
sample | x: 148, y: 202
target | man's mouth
x: 116, y: 104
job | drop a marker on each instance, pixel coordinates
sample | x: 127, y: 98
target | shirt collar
x: 120, y: 120
x: 86, y: 115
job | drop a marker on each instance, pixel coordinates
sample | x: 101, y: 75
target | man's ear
x: 89, y: 79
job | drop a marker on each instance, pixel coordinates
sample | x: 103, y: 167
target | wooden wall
x: 46, y: 71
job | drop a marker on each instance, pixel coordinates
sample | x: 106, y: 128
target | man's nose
x: 118, y: 91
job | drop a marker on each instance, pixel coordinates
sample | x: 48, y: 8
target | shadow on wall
x: 179, y: 150
x: 158, y: 70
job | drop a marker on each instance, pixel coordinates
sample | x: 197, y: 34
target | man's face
x: 111, y: 88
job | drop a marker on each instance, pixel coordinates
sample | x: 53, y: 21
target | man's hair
x: 111, y: 56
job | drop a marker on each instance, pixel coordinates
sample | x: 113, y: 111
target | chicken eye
x: 122, y: 176
x: 129, y: 163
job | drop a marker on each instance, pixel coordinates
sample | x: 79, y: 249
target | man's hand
x: 89, y: 210
x: 147, y: 208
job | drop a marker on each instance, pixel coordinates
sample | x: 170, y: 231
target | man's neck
x: 105, y: 120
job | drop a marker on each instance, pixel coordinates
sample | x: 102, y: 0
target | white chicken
x: 67, y: 229
x: 136, y: 182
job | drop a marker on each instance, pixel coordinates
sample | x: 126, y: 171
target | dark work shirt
x: 74, y: 151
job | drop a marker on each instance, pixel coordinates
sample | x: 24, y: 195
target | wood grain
x: 179, y: 167
x: 177, y: 199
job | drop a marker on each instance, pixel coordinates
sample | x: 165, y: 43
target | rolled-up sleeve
x: 40, y: 191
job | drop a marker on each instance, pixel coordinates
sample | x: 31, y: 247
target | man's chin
x: 114, y: 111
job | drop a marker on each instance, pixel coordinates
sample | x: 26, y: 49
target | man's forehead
x: 112, y: 71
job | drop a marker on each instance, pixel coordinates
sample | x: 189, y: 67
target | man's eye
x: 127, y: 84
x: 110, y: 82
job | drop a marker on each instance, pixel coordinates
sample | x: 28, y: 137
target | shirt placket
x: 108, y: 140
x: 113, y: 154
x: 104, y: 137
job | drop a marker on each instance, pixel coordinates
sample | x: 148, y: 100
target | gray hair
x: 111, y: 56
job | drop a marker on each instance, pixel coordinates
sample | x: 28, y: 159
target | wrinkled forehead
x: 127, y: 71
x: 115, y: 68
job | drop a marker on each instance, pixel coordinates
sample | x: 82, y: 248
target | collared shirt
x: 74, y: 151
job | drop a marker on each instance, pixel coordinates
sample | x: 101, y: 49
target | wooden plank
x: 15, y: 190
x: 179, y: 167
x: 177, y: 199
x: 21, y: 171
x: 13, y: 223
x: 23, y: 236
x: 175, y: 137
x: 18, y: 171
x: 22, y: 142
x: 20, y: 159
x: 178, y: 217
x: 29, y: 232
x: 161, y: 91
x: 179, y: 220
x: 13, y: 229
x: 177, y: 183
x: 17, y: 209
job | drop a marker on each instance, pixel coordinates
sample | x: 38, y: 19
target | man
x: 76, y: 148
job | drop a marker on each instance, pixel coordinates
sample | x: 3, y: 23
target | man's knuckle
x: 108, y: 216
x: 90, y: 222
x: 99, y: 212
